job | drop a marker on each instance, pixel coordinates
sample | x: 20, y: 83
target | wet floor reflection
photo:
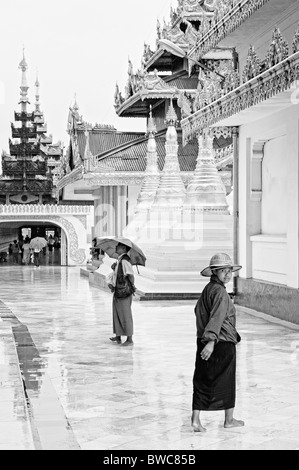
x: 99, y: 395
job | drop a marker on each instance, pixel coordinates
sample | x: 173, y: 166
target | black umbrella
x: 108, y: 245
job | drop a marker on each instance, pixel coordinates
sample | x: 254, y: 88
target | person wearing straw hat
x: 214, y: 379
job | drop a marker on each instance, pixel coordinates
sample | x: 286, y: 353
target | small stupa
x: 184, y: 227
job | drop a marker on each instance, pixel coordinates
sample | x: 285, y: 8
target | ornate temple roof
x: 101, y: 141
x: 133, y: 158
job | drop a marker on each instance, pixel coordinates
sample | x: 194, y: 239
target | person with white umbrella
x: 37, y: 244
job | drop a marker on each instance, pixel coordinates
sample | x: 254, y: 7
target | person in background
x: 214, y: 379
x: 26, y: 252
x: 15, y: 252
x: 51, y: 242
x: 21, y: 243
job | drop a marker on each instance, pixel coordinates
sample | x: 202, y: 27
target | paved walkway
x: 83, y: 392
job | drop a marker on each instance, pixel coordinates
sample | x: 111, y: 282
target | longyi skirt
x: 214, y: 381
x: 122, y: 316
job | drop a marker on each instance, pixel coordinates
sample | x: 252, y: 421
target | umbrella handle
x: 137, y: 268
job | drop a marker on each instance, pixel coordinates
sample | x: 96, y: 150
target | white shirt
x: 127, y: 268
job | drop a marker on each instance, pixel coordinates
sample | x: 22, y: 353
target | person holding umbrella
x: 37, y: 244
x: 121, y: 283
x: 122, y: 306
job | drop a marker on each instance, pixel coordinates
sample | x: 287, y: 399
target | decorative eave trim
x: 158, y: 94
x: 114, y: 178
x: 226, y: 25
x: 74, y: 175
x: 128, y: 103
x: 145, y: 94
x: 273, y: 81
x: 43, y: 209
x: 125, y: 178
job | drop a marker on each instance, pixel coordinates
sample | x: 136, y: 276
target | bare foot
x: 197, y: 427
x: 128, y: 343
x: 234, y: 423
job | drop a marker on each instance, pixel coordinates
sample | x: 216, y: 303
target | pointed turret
x: 171, y: 191
x: 24, y: 85
x: 152, y: 174
x: 37, y: 103
x: 206, y: 190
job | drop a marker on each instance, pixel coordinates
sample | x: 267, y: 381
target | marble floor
x: 84, y: 392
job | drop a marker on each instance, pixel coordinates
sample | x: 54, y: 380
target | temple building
x: 263, y: 110
x: 119, y: 170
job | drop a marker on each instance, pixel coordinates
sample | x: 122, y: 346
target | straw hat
x: 218, y: 261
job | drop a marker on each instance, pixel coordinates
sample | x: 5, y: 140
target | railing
x: 277, y: 79
x: 8, y: 209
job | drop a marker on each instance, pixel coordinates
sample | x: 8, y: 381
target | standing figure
x: 214, y: 380
x: 15, y: 252
x: 51, y: 242
x: 26, y: 252
x: 122, y: 311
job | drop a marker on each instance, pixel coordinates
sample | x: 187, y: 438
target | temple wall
x: 269, y: 212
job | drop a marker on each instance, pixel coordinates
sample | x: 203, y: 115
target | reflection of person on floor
x: 26, y: 252
x: 122, y: 311
x: 214, y: 380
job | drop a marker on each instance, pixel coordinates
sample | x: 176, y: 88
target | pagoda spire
x: 171, y: 191
x: 152, y: 174
x: 37, y: 95
x: 206, y: 190
x: 24, y: 85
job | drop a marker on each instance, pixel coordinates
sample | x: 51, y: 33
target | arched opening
x: 54, y: 253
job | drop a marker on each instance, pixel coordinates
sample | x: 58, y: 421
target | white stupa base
x: 173, y: 265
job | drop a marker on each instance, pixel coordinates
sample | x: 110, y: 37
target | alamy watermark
x: 155, y: 226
